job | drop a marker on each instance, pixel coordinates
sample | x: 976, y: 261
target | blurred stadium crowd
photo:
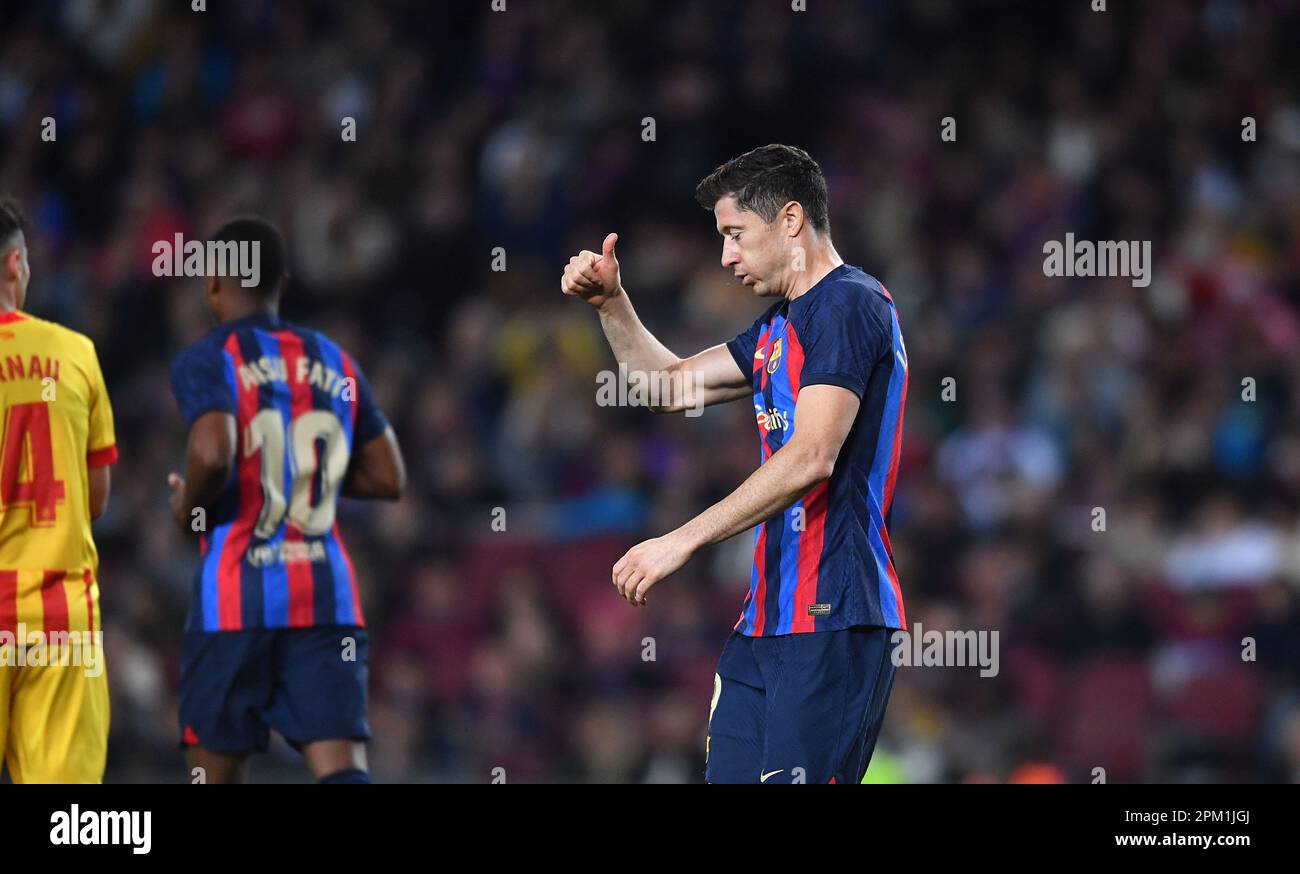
x: 1120, y: 648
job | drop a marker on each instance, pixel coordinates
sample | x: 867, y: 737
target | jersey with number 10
x: 272, y: 555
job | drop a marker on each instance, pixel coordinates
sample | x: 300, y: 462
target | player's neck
x: 250, y: 310
x: 822, y: 259
x: 8, y: 301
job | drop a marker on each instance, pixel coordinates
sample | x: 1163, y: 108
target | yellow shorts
x: 53, y: 722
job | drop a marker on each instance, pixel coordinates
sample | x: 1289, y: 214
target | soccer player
x: 802, y: 683
x: 55, y: 457
x: 281, y: 421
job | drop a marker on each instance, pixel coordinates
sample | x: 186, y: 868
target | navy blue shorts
x: 308, y: 684
x: 798, y: 708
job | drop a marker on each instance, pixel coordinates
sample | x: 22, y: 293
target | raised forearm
x: 645, y: 362
x: 630, y: 341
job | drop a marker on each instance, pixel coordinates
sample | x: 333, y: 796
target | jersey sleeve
x: 743, y: 346
x: 371, y: 421
x: 101, y: 445
x: 842, y: 341
x: 199, y: 383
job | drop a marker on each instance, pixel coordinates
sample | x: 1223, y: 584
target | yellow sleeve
x: 102, y: 443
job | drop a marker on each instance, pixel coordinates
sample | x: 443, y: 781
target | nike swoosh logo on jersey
x: 763, y: 778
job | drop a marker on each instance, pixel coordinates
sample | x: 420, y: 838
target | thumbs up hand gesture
x: 593, y: 276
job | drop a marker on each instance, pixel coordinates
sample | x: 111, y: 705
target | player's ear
x: 792, y: 218
x: 211, y: 288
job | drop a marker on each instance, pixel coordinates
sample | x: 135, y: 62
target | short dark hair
x: 273, y: 259
x: 12, y: 220
x: 766, y: 179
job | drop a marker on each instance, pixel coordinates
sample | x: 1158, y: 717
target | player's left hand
x: 176, y: 483
x: 646, y: 564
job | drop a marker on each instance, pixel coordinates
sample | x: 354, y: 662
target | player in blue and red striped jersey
x: 802, y: 685
x: 281, y: 421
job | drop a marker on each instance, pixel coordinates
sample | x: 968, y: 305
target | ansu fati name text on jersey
x: 825, y: 563
x: 58, y: 424
x: 273, y: 557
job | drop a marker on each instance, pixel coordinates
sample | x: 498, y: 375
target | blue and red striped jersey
x: 271, y: 553
x: 825, y: 563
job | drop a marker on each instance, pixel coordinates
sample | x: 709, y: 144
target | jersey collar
x: 834, y: 274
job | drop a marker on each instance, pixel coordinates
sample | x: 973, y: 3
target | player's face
x: 752, y: 249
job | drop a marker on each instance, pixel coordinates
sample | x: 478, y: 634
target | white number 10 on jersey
x: 266, y: 434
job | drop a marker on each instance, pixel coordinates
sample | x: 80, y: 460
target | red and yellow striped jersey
x: 58, y: 424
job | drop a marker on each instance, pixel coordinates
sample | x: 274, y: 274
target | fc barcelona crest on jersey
x: 774, y: 359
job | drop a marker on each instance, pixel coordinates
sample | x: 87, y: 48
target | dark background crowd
x: 1158, y: 640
